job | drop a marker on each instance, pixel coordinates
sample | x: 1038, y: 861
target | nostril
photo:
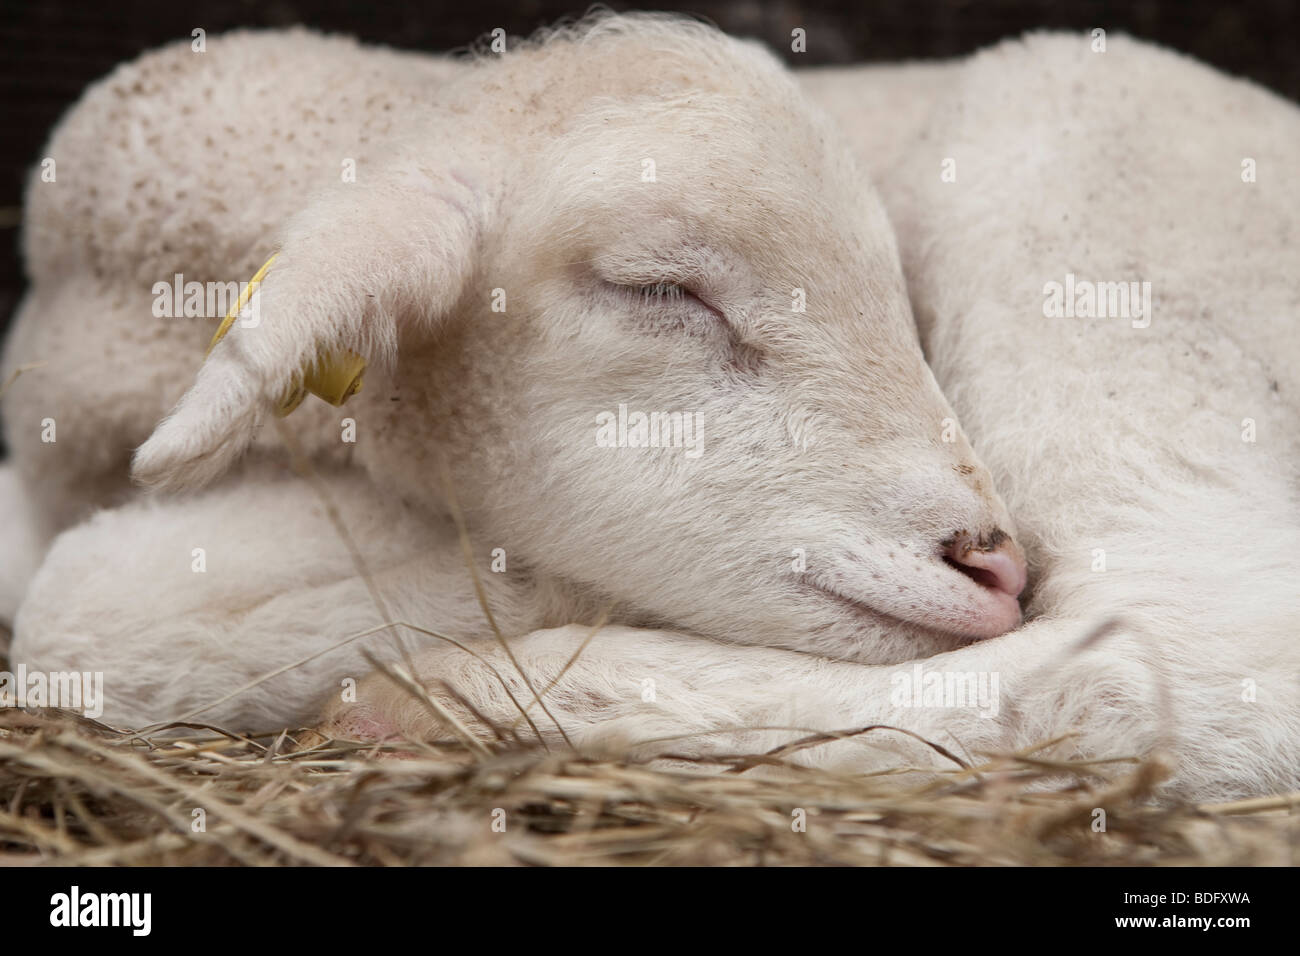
x: 979, y: 575
x: 993, y: 562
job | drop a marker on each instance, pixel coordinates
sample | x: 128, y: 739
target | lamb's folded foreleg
x: 243, y: 606
x: 660, y: 692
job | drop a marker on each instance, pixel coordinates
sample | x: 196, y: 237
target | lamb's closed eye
x: 666, y: 297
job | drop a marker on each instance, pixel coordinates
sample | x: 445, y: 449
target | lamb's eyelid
x: 641, y: 271
x: 652, y: 286
x: 666, y: 291
x: 649, y: 276
x: 663, y: 290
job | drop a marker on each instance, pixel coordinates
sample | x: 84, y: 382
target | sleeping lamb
x: 625, y: 293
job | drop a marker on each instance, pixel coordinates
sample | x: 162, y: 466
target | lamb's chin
x: 868, y: 634
x: 860, y: 634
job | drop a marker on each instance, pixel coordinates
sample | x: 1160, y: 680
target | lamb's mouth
x: 1001, y: 613
x: 866, y: 610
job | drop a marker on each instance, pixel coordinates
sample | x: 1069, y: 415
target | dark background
x: 51, y: 50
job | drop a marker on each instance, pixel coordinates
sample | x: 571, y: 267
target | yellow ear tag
x: 334, y: 377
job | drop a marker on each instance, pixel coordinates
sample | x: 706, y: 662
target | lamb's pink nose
x: 993, y: 560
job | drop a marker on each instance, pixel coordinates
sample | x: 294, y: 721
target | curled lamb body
x: 639, y: 215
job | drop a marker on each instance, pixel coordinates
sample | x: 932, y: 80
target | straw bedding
x: 76, y: 792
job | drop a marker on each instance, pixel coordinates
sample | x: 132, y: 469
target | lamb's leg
x: 663, y: 692
x: 180, y: 603
x: 628, y: 687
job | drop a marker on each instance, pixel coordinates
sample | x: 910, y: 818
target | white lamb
x: 674, y: 228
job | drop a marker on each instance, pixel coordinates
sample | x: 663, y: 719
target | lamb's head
x: 657, y: 327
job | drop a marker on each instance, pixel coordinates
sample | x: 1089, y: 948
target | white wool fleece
x: 1149, y: 460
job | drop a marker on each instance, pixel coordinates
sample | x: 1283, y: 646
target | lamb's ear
x: 354, y: 268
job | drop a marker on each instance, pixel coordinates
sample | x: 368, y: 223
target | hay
x: 73, y: 792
